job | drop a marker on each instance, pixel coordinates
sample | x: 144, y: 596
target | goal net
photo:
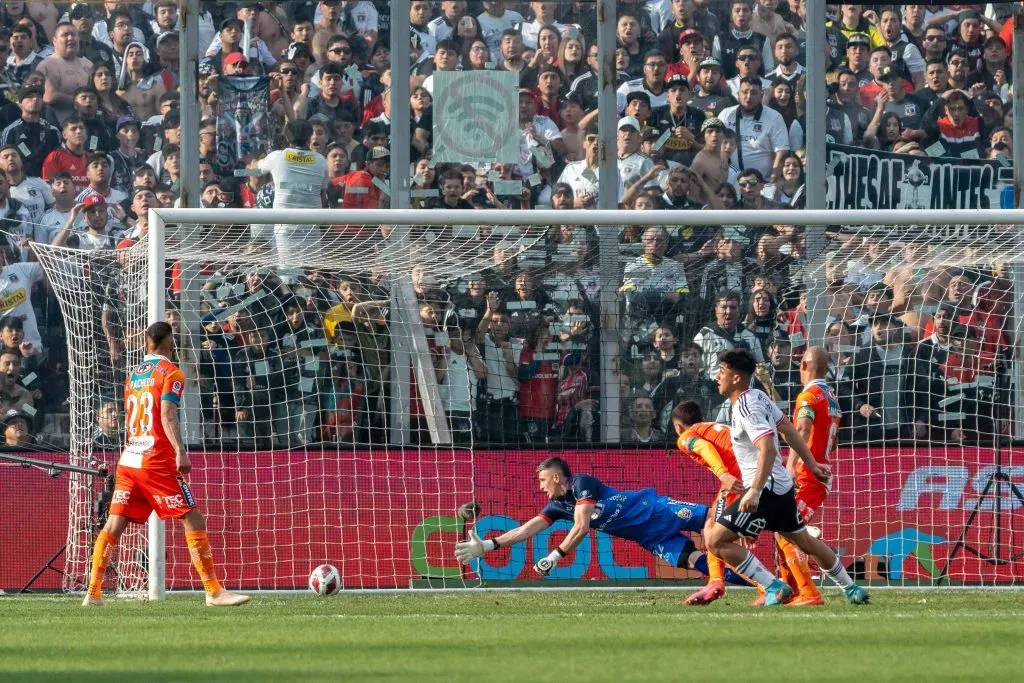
x: 365, y: 396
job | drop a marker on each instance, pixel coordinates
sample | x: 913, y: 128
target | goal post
x: 300, y: 451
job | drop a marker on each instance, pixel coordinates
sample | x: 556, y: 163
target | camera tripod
x: 993, y: 555
x: 100, y: 506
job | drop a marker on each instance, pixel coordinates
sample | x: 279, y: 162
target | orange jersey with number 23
x: 818, y: 404
x: 154, y: 380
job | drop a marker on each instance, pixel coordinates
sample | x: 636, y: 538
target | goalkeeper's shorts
x: 137, y: 492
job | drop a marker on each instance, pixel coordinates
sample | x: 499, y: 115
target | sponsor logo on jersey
x: 15, y: 299
x: 144, y: 368
x: 299, y: 158
x: 121, y: 497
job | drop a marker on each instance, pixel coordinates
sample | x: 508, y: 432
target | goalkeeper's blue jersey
x: 641, y: 516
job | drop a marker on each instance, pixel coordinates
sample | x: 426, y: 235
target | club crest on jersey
x: 176, y: 387
x: 13, y: 278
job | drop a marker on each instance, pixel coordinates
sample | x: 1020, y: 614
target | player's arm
x: 711, y: 457
x: 799, y: 446
x: 468, y: 550
x: 169, y: 402
x: 580, y: 529
x: 804, y: 424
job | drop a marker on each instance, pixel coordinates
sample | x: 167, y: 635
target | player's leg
x: 733, y: 524
x: 829, y: 563
x: 715, y: 587
x: 797, y: 571
x: 128, y: 504
x: 202, y: 559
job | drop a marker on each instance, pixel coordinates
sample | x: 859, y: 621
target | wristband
x: 491, y: 544
x: 561, y: 552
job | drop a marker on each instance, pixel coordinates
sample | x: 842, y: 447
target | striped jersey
x: 755, y: 417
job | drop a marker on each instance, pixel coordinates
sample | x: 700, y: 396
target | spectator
x: 13, y: 396
x: 683, y: 120
x: 22, y: 59
x: 654, y: 285
x: 709, y: 95
x: 95, y: 236
x: 748, y: 66
x: 303, y: 351
x: 652, y: 83
x: 689, y: 384
x: 70, y: 158
x: 538, y: 385
x: 904, y: 50
x: 883, y: 383
x: 737, y: 35
x: 751, y: 185
x: 643, y: 431
x: 62, y: 189
x: 259, y: 389
x: 105, y: 435
x: 763, y: 136
x: 958, y: 132
x: 33, y: 194
x: 724, y: 334
x: 17, y: 430
x: 786, y: 52
x: 65, y: 71
x: 460, y: 371
x: 38, y: 136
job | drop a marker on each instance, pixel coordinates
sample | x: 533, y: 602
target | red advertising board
x: 387, y: 517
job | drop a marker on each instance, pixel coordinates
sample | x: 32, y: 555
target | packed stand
x: 711, y: 103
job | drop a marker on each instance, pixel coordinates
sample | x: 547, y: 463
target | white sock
x: 752, y: 568
x: 839, y: 576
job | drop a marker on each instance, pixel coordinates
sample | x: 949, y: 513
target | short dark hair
x: 157, y: 334
x: 751, y: 171
x: 785, y: 36
x: 741, y: 361
x: 114, y: 16
x: 555, y: 463
x: 298, y: 132
x: 332, y: 68
x: 688, y: 412
x: 752, y: 80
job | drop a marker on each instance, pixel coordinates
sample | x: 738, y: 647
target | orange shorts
x: 137, y: 492
x: 808, y: 500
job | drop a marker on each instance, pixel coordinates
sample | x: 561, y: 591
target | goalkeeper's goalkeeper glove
x: 467, y: 551
x: 546, y: 564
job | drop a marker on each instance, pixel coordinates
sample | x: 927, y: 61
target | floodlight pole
x: 815, y: 183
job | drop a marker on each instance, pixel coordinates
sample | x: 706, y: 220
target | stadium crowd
x: 711, y: 100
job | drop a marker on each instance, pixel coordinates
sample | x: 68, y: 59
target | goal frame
x: 814, y: 220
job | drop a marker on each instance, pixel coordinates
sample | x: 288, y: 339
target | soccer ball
x: 325, y: 580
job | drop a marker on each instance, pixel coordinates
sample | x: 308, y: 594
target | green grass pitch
x: 502, y: 636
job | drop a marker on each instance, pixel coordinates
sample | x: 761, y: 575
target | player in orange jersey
x: 816, y: 417
x: 151, y: 471
x: 709, y: 445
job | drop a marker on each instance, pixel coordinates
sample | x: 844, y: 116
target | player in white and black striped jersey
x: 769, y: 502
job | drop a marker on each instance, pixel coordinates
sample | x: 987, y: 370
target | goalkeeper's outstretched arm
x: 474, y: 547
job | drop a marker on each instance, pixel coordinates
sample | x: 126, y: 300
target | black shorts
x: 775, y: 512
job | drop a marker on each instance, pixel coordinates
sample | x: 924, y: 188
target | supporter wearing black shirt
x: 969, y: 40
x: 737, y: 35
x: 683, y: 120
x: 711, y: 94
x: 328, y: 102
x: 936, y: 82
x: 994, y: 69
x: 34, y: 137
x: 451, y: 194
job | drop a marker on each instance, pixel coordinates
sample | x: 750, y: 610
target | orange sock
x: 101, y: 554
x: 202, y: 560
x: 716, y: 569
x: 783, y: 562
x: 796, y: 561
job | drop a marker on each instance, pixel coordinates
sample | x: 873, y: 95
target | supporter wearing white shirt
x: 631, y: 163
x: 443, y: 26
x: 581, y: 176
x: 62, y: 189
x: 493, y: 21
x: 16, y: 282
x: 535, y: 133
x: 543, y: 15
x: 33, y: 193
x: 763, y: 136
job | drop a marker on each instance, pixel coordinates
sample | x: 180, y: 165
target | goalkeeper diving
x: 658, y: 524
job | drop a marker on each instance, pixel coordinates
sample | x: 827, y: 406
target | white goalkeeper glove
x: 467, y: 551
x: 546, y: 564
